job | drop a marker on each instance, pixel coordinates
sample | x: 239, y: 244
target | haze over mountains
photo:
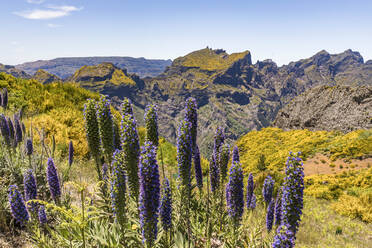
x: 232, y: 91
x: 65, y: 67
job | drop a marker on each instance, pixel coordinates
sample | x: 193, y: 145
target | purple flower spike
x: 270, y: 216
x: 70, y: 153
x: 235, y: 155
x: 53, y: 180
x: 4, y: 128
x: 29, y: 147
x: 166, y: 206
x: 235, y: 193
x: 198, y: 169
x: 42, y: 215
x: 268, y: 188
x: 149, y: 198
x: 250, y: 188
x: 30, y: 189
x: 17, y: 206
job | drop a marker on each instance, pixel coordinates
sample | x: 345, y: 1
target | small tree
x: 261, y: 164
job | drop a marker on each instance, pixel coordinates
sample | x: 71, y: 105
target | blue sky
x: 283, y: 30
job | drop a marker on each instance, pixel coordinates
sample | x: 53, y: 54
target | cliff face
x: 344, y: 108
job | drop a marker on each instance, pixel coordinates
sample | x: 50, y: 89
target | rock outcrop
x: 45, y: 77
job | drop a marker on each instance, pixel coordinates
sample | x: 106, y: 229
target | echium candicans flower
x: 126, y: 107
x: 278, y: 208
x: 184, y: 153
x: 118, y: 189
x: 151, y: 124
x: 42, y: 215
x: 223, y: 161
x: 252, y: 205
x: 235, y: 193
x: 30, y: 189
x: 29, y: 147
x: 53, y: 180
x: 117, y: 139
x: 219, y: 138
x: 17, y: 206
x: 106, y: 127
x: 4, y: 128
x: 198, y: 169
x: 192, y: 116
x: 70, y: 153
x: 292, y: 195
x: 4, y: 99
x: 166, y: 206
x: 92, y: 128
x: 130, y: 152
x: 250, y: 188
x: 284, y: 237
x: 268, y: 188
x: 17, y: 129
x: 235, y: 154
x: 149, y: 198
x: 270, y: 215
x: 11, y: 131
x: 214, y: 172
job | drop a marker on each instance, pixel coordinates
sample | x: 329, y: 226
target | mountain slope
x: 9, y: 69
x: 45, y: 77
x: 65, y: 67
x: 343, y: 108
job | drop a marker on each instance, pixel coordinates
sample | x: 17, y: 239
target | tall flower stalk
x: 235, y: 154
x: 53, y: 181
x: 106, y: 127
x: 151, y: 124
x: 30, y: 189
x: 166, y: 206
x: 4, y: 128
x: 270, y: 215
x: 292, y: 202
x: 268, y: 189
x: 235, y: 193
x: 192, y: 116
x: 118, y: 189
x: 17, y: 206
x: 250, y: 194
x: 149, y: 198
x: 198, y: 169
x: 214, y: 173
x: 131, y: 152
x: 223, y: 161
x: 92, y: 131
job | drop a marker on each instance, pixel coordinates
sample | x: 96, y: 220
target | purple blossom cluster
x: 224, y: 158
x: 42, y: 215
x: 267, y: 190
x: 293, y: 190
x: 291, y: 202
x: 251, y: 198
x: 30, y: 189
x: 235, y: 193
x: 106, y: 127
x: 198, y: 169
x: 149, y: 197
x: 151, y: 124
x: 29, y: 147
x: 235, y: 154
x: 192, y: 116
x: 18, y: 130
x: 4, y: 128
x: 278, y: 209
x: 70, y: 153
x: 270, y: 215
x: 53, y: 180
x: 126, y: 107
x: 184, y: 153
x: 118, y: 188
x: 131, y: 152
x: 166, y: 206
x: 92, y: 130
x: 214, y: 174
x: 17, y: 206
x: 11, y: 131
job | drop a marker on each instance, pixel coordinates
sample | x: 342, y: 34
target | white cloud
x: 35, y: 1
x: 50, y: 12
x: 53, y: 25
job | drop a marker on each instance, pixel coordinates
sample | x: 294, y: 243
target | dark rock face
x: 65, y: 67
x: 344, y: 108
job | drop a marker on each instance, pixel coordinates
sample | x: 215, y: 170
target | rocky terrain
x: 65, y: 67
x: 45, y: 77
x: 343, y: 108
x: 241, y: 96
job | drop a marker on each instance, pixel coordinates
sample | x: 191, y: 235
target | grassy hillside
x: 274, y: 144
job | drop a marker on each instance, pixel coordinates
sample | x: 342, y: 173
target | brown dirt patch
x: 321, y: 164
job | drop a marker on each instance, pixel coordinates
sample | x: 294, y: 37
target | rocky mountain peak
x: 45, y: 77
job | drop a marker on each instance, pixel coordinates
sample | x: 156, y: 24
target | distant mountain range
x: 65, y: 67
x: 240, y: 96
